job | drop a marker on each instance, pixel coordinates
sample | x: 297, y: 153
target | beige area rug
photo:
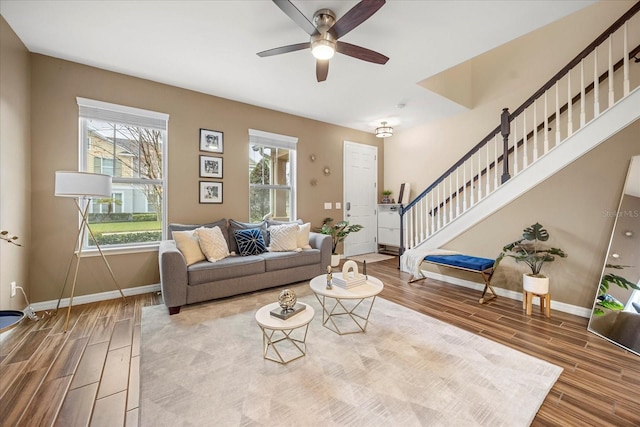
x: 204, y: 367
x: 373, y: 257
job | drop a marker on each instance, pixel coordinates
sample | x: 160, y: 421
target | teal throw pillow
x: 250, y: 241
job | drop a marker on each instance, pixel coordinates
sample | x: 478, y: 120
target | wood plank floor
x: 90, y: 375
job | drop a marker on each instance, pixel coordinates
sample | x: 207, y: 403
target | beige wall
x: 55, y: 86
x: 15, y: 151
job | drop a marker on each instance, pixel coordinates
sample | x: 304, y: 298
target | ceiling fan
x: 325, y: 32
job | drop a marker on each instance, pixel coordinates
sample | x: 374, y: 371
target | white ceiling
x: 211, y: 46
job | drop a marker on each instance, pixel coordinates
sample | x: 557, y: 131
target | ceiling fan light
x: 384, y: 131
x: 322, y: 49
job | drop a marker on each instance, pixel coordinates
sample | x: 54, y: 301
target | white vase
x: 335, y: 260
x: 538, y: 285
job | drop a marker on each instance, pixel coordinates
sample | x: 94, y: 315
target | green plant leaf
x: 608, y: 301
x: 536, y: 232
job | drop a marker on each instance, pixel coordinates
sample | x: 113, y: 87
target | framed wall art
x: 210, y: 192
x: 403, y: 196
x: 210, y: 167
x: 211, y: 141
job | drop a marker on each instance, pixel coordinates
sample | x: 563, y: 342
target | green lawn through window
x: 129, y: 226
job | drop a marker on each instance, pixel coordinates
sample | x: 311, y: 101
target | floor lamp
x: 82, y: 187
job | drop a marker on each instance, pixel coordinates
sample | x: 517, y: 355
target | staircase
x: 584, y: 104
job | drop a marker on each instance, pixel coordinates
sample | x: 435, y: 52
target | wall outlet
x: 338, y: 205
x: 327, y: 205
x: 13, y: 289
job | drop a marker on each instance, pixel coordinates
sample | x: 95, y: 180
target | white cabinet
x: 389, y: 225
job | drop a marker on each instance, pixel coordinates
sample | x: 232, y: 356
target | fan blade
x: 322, y: 69
x: 361, y: 53
x: 356, y: 16
x: 296, y: 16
x: 284, y: 49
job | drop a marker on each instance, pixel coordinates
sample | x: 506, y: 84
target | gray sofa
x: 235, y: 274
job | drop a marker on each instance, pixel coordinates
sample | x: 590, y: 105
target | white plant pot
x: 335, y: 260
x: 537, y: 285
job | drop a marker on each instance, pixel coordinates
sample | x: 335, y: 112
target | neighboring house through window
x: 113, y: 205
x: 272, y: 172
x: 128, y: 144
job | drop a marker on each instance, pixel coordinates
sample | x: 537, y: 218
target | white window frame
x: 274, y: 140
x: 98, y: 110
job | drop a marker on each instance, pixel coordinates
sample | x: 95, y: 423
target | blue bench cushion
x: 462, y: 261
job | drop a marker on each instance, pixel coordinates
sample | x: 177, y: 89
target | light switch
x: 327, y: 205
x: 338, y: 205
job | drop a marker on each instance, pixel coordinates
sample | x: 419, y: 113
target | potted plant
x: 385, y: 196
x: 532, y: 252
x: 606, y: 301
x: 338, y: 232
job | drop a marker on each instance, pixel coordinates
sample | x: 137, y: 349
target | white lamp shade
x: 82, y: 184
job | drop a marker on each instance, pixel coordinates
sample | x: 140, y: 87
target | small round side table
x: 275, y: 331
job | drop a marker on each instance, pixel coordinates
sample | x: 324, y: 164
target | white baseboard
x: 556, y: 305
x: 102, y: 296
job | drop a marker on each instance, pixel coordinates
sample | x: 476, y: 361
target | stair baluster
x: 428, y: 213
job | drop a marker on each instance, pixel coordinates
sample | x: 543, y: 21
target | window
x: 129, y: 144
x: 112, y: 205
x: 271, y: 176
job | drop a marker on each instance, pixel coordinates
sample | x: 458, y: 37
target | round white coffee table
x: 275, y: 330
x: 355, y: 303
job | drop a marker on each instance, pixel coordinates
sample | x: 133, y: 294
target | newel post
x: 505, y: 129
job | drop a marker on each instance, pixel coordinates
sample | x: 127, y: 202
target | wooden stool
x: 545, y: 302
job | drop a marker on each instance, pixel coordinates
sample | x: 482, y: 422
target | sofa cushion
x: 250, y: 242
x: 228, y: 268
x: 281, y: 260
x: 303, y: 236
x: 222, y: 223
x: 235, y: 226
x: 283, y: 237
x: 187, y: 243
x: 212, y: 243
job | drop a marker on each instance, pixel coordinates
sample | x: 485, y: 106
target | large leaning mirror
x: 616, y: 310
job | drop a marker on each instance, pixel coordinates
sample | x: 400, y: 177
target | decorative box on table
x: 350, y: 276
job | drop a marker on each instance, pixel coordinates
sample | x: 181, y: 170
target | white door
x: 360, y: 195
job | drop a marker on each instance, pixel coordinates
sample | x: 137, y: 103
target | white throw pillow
x: 212, y: 243
x: 284, y: 237
x: 303, y: 236
x: 187, y: 243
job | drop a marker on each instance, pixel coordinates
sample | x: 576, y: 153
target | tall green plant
x: 530, y: 249
x: 338, y: 231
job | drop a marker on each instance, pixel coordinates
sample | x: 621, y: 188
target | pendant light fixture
x: 384, y: 131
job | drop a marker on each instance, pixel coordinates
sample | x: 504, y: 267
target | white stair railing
x: 535, y: 128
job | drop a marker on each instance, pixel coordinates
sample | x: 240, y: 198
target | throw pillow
x: 303, y: 236
x: 250, y: 241
x: 272, y: 222
x: 283, y: 238
x: 212, y: 243
x: 222, y: 223
x: 187, y: 243
x: 236, y: 225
